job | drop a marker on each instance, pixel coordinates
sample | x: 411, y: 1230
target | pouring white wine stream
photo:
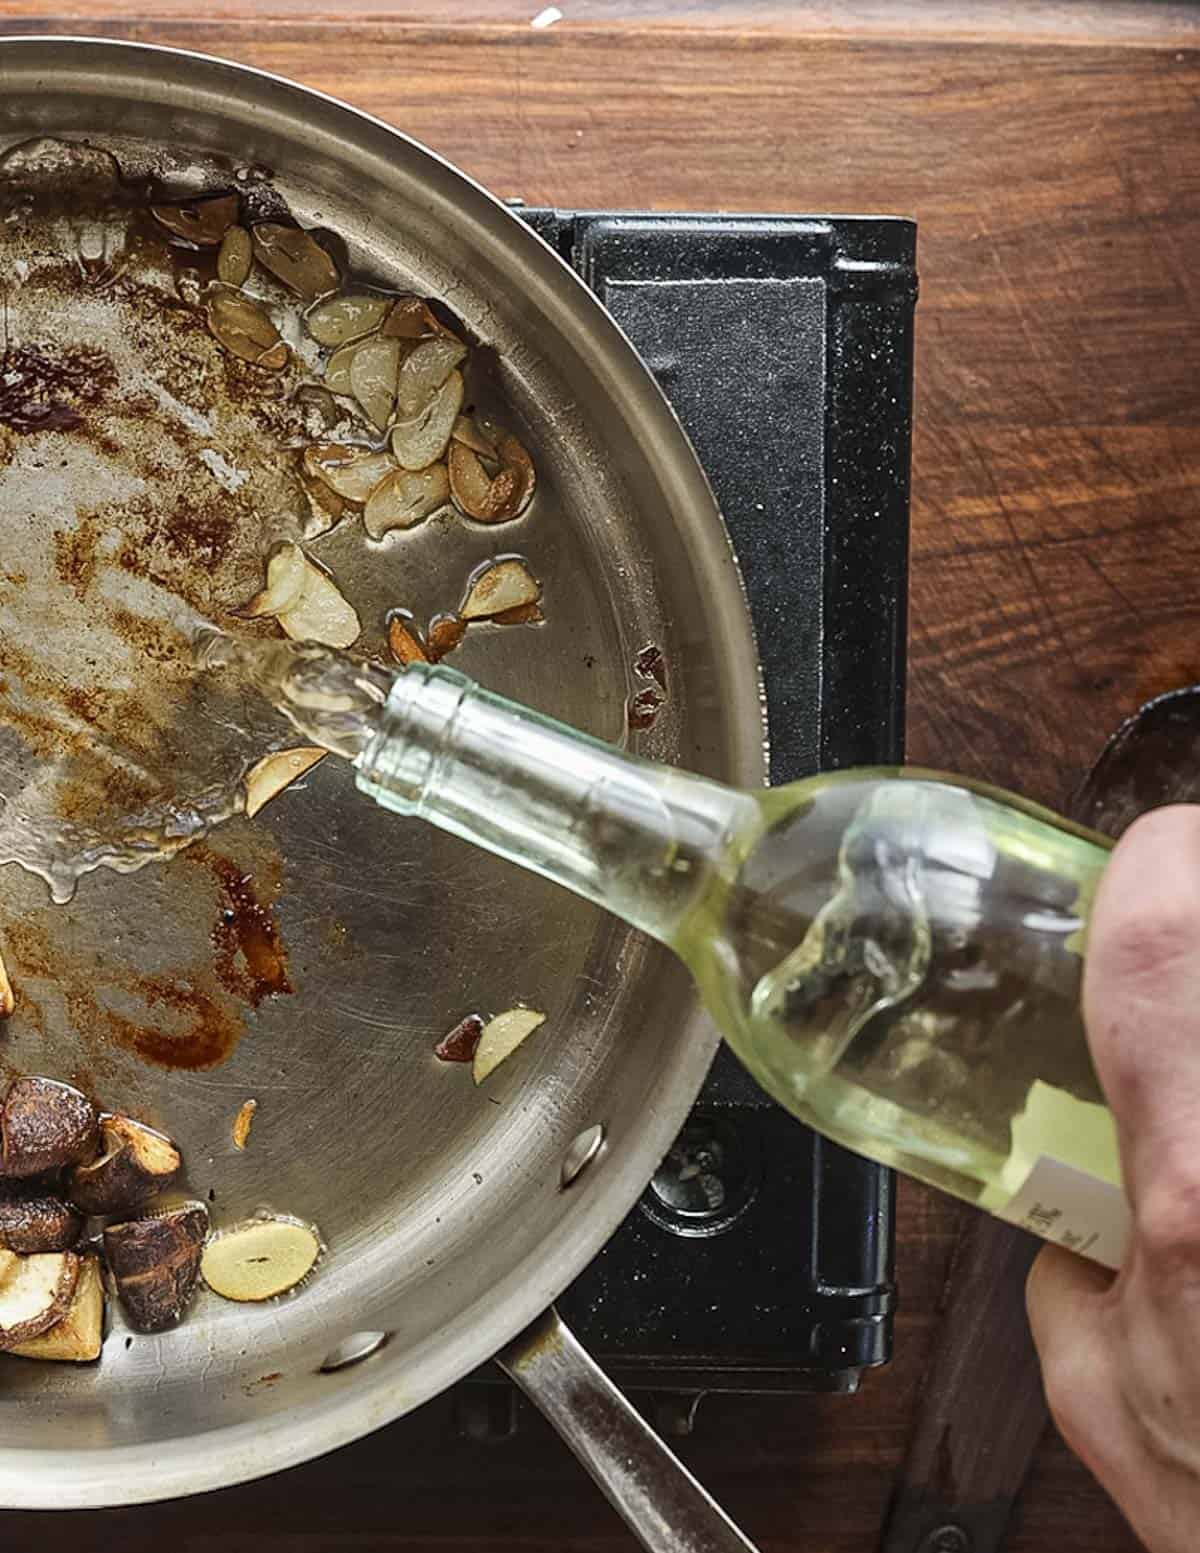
x: 894, y: 954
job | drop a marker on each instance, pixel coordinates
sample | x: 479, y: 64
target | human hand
x: 1121, y: 1355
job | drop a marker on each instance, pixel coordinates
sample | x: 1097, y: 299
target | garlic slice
x: 243, y: 1122
x: 419, y: 442
x: 337, y: 368
x: 338, y: 320
x: 498, y: 586
x: 466, y: 431
x: 235, y: 256
x: 501, y: 1037
x: 444, y: 635
x: 424, y: 370
x: 405, y: 497
x: 486, y: 497
x: 261, y: 1258
x: 411, y: 318
x: 268, y: 777
x: 404, y: 643
x: 373, y: 371
x: 244, y: 328
x: 305, y: 600
x: 352, y: 471
x: 7, y: 1001
x: 296, y: 258
x: 202, y: 221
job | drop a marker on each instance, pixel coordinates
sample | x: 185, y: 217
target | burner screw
x: 946, y: 1539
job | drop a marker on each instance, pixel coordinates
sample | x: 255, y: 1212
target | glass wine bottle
x: 894, y: 954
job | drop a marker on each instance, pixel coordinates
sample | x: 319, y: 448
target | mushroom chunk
x: 79, y: 1335
x: 44, y: 1125
x: 136, y: 1164
x: 155, y: 1263
x: 36, y: 1294
x: 31, y: 1220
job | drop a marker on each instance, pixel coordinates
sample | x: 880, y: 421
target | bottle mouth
x: 331, y: 697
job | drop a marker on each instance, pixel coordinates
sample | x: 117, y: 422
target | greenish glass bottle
x: 894, y: 954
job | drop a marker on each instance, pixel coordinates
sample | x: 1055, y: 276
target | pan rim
x: 68, y: 1478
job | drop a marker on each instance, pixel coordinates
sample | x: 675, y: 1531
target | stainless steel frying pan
x: 453, y: 1215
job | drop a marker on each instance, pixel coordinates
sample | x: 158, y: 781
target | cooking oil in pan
x: 143, y: 474
x: 896, y: 956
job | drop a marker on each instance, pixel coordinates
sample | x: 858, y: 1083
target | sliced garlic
x: 243, y: 1122
x: 404, y: 643
x: 373, y: 372
x: 296, y: 258
x: 412, y: 319
x: 444, y: 635
x: 269, y: 776
x: 419, y: 442
x: 466, y: 431
x: 499, y: 586
x: 260, y: 1259
x: 353, y: 472
x: 235, y: 256
x: 337, y: 369
x: 405, y: 497
x: 203, y: 221
x: 487, y: 497
x: 424, y: 370
x: 285, y: 581
x: 305, y: 600
x: 7, y: 1001
x: 242, y: 326
x: 500, y: 1038
x: 338, y: 320
x: 325, y: 507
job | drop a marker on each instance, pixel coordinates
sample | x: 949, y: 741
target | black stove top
x: 760, y: 1258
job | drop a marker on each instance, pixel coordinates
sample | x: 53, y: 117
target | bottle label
x: 1072, y: 1209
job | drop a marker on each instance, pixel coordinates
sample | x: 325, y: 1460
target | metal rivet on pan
x: 582, y: 1152
x: 353, y: 1350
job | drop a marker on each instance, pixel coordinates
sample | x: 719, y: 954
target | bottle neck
x: 640, y: 839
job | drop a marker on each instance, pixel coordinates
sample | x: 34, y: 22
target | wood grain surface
x: 1048, y: 154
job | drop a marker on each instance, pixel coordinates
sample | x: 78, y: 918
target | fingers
x: 1142, y: 1007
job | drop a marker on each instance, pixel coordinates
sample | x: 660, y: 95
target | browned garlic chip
x: 243, y: 1122
x: 203, y: 221
x: 244, y: 328
x: 296, y: 258
x: 235, y: 257
x: 498, y: 586
x: 494, y: 494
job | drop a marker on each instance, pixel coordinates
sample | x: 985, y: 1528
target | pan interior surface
x: 441, y: 1203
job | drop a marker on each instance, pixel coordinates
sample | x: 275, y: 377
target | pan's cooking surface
x: 440, y: 1203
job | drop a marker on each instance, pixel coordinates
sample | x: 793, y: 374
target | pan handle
x: 660, y: 1500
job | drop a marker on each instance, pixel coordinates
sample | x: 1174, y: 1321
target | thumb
x: 1059, y: 1286
x: 1063, y: 1297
